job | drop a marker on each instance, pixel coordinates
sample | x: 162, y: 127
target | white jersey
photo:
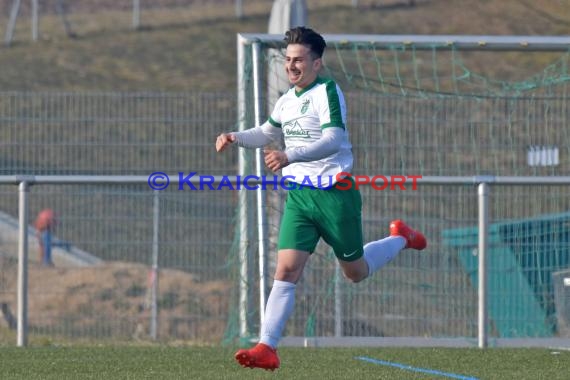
x: 303, y: 116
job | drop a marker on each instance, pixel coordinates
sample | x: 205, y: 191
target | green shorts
x: 333, y: 214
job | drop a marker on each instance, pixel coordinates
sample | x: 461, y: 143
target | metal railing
x: 483, y: 184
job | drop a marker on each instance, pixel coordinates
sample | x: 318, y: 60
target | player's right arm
x: 224, y: 140
x: 252, y: 138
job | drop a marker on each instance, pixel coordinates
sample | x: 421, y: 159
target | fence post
x: 338, y: 317
x: 154, y: 270
x: 483, y: 195
x: 239, y: 9
x: 12, y: 22
x: 22, y: 332
x: 136, y: 14
x: 35, y: 20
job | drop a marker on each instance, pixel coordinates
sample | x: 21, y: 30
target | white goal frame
x: 249, y: 81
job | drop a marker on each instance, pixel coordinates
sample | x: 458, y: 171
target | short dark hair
x: 307, y: 37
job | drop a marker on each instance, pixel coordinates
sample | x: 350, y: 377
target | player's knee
x: 355, y: 277
x: 355, y: 271
x: 287, y: 275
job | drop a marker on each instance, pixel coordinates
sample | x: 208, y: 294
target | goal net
x: 430, y: 106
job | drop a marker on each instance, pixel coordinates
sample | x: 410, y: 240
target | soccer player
x: 311, y: 116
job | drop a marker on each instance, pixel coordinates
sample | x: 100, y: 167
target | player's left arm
x: 329, y: 143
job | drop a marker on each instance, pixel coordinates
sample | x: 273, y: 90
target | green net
x: 447, y: 112
x: 436, y: 111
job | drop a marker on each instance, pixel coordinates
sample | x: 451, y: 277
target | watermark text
x: 342, y: 181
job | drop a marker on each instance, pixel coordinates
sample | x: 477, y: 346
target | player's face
x: 302, y: 69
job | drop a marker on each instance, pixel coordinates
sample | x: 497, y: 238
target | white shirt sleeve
x: 329, y: 143
x: 258, y: 137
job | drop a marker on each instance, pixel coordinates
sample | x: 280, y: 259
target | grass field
x: 296, y: 363
x: 193, y: 48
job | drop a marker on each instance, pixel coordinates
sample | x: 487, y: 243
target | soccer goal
x: 438, y: 106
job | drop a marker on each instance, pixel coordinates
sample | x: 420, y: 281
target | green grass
x: 297, y: 363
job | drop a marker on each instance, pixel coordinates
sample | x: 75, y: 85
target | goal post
x: 418, y: 104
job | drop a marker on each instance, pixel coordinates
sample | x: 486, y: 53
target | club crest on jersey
x: 294, y: 129
x: 305, y: 105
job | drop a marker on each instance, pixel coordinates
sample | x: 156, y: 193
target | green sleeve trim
x: 332, y: 125
x: 274, y: 123
x: 334, y: 106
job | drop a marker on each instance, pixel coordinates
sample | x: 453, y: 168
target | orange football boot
x: 414, y: 239
x: 260, y: 356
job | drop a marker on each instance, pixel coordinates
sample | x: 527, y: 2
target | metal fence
x: 74, y: 18
x: 113, y: 133
x: 130, y: 259
x: 155, y: 265
x: 38, y: 19
x: 130, y: 134
x: 133, y: 239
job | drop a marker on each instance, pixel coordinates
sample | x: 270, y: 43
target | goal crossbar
x: 463, y: 42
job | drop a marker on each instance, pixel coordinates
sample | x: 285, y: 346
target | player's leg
x: 378, y: 253
x: 358, y: 262
x: 297, y: 239
x: 341, y: 227
x: 281, y: 300
x: 280, y: 306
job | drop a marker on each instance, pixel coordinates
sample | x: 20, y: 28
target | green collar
x: 315, y: 82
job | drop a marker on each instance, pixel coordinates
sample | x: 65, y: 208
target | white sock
x: 380, y: 252
x: 280, y: 304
